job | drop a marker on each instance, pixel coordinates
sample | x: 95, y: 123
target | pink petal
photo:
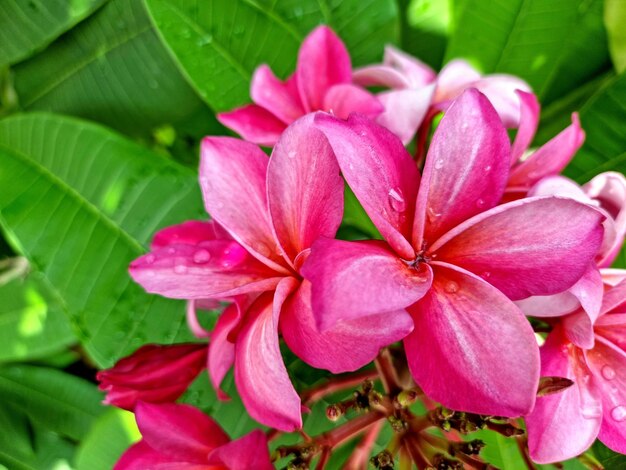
x: 323, y: 61
x: 380, y: 75
x: 381, y: 173
x: 347, y: 346
x: 551, y: 158
x: 260, y: 372
x: 222, y: 351
x: 247, y: 452
x: 254, y: 124
x: 547, y: 306
x: 614, y: 299
x: 233, y: 178
x: 501, y: 90
x: 565, y: 424
x: 416, y: 72
x: 449, y: 357
x: 528, y: 121
x: 141, y: 456
x: 179, y: 431
x: 589, y: 291
x: 453, y: 79
x: 304, y: 188
x: 343, y: 99
x: 405, y: 111
x: 191, y: 232
x: 466, y: 170
x: 216, y: 268
x: 559, y: 186
x: 279, y: 98
x: 352, y: 280
x: 534, y: 246
x: 192, y: 321
x: 612, y: 277
x: 608, y: 363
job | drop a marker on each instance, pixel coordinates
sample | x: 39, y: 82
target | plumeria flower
x: 451, y: 256
x: 565, y: 424
x: 181, y: 437
x: 606, y: 192
x: 322, y: 81
x: 274, y: 209
x: 153, y: 373
x: 529, y: 167
x: 415, y: 89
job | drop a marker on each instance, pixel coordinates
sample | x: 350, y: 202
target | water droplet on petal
x: 480, y: 203
x: 149, y: 259
x: 422, y: 273
x: 451, y: 287
x: 363, y: 133
x: 396, y: 200
x: 486, y: 275
x: 201, y: 256
x: 439, y: 164
x: 171, y: 251
x: 619, y: 413
x: 180, y: 269
x: 292, y: 154
x: 432, y: 215
x: 487, y: 167
x: 608, y: 372
x: 591, y: 410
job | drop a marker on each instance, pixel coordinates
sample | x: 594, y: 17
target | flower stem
x: 362, y: 452
x: 344, y: 432
x: 335, y: 385
x: 387, y: 372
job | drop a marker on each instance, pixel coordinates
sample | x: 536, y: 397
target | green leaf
x: 219, y: 44
x: 32, y: 323
x: 609, y: 459
x: 539, y: 41
x: 28, y: 26
x: 112, y: 433
x: 81, y: 202
x: 111, y: 68
x: 615, y: 19
x: 58, y: 401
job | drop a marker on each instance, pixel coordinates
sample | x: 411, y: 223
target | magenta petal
x: 343, y: 99
x: 260, y: 372
x: 192, y: 321
x: 615, y: 299
x: 221, y: 351
x: 564, y: 425
x: 449, y: 357
x: 233, y: 182
x: 141, y: 456
x: 215, y: 268
x: 501, y: 90
x: 352, y: 280
x: 589, y: 291
x: 529, y: 118
x: 304, y: 188
x: 534, y: 246
x: 466, y: 170
x: 551, y: 158
x: 323, y: 61
x: 246, y: 453
x: 179, y: 431
x: 381, y: 173
x: 279, y: 98
x: 253, y: 123
x: 404, y: 111
x: 191, y: 232
x: 347, y: 346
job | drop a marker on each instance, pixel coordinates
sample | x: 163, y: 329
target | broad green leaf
x: 111, y: 434
x: 32, y: 323
x: 219, y: 44
x: 615, y: 19
x: 539, y: 41
x: 28, y: 26
x: 49, y: 452
x: 81, y: 202
x: 425, y: 29
x: 60, y: 402
x: 609, y: 459
x: 111, y: 68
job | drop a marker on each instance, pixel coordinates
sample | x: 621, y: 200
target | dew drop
x: 619, y: 413
x: 488, y: 168
x: 153, y: 84
x: 608, y: 372
x: 591, y: 410
x: 432, y: 215
x: 363, y: 133
x: 451, y: 287
x: 396, y: 200
x: 204, y: 40
x: 180, y: 269
x: 486, y: 275
x: 149, y: 258
x: 480, y: 203
x: 201, y: 256
x: 292, y: 154
x: 171, y: 251
x: 439, y: 164
x: 422, y: 273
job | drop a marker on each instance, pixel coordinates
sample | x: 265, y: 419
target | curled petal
x: 352, y: 280
x: 279, y: 98
x: 416, y: 72
x: 221, y: 350
x: 253, y: 123
x: 453, y: 79
x: 192, y: 321
x: 347, y: 346
x: 528, y: 121
x: 614, y: 299
x: 588, y: 290
x: 534, y: 246
x: 343, y: 99
x: 449, y: 357
x: 404, y: 111
x: 380, y: 75
x: 501, y: 90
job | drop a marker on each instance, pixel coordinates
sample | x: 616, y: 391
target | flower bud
x: 153, y: 374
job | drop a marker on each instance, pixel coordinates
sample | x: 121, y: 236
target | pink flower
x: 274, y: 209
x: 415, y: 89
x: 183, y: 438
x: 440, y: 240
x: 322, y: 81
x: 565, y: 424
x: 153, y: 373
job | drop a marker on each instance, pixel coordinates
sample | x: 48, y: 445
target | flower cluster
x: 483, y: 236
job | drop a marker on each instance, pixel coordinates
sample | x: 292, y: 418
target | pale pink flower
x: 180, y: 437
x: 565, y: 424
x: 322, y: 81
x: 440, y: 240
x: 415, y: 89
x: 274, y: 209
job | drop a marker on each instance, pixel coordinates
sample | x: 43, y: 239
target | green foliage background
x: 102, y: 105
